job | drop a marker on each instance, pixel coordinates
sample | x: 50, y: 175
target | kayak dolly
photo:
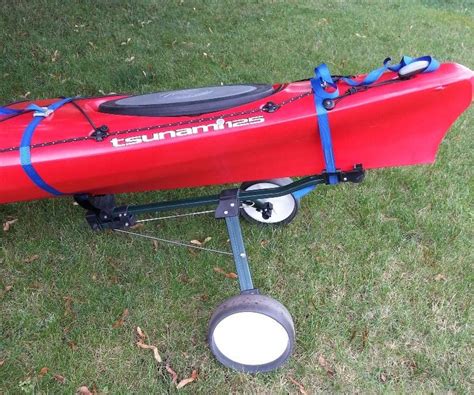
x: 249, y: 332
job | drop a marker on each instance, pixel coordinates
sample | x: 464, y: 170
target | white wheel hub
x: 283, y: 206
x: 250, y: 338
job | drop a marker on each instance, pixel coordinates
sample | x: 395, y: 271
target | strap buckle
x: 42, y: 112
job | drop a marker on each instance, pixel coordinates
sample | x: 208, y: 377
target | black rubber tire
x: 279, y: 182
x: 257, y: 304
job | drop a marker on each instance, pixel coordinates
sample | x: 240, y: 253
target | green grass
x: 378, y: 276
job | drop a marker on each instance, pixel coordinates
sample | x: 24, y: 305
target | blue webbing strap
x: 25, y: 150
x: 323, y: 80
x: 374, y: 75
x: 9, y: 111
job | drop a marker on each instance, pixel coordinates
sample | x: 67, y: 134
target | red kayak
x: 223, y: 134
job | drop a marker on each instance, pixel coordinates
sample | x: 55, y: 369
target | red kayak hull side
x: 396, y: 124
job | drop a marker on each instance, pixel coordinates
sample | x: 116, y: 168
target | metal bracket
x: 356, y: 175
x: 264, y: 208
x: 103, y: 214
x: 120, y: 218
x: 228, y: 204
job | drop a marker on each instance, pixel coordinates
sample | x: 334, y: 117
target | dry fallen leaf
x: 173, y: 374
x: 55, y: 56
x: 440, y: 277
x: 84, y: 390
x: 35, y: 285
x: 325, y: 365
x: 155, y: 245
x: 182, y: 383
x: 7, y: 225
x: 31, y: 259
x: 43, y: 371
x: 72, y: 345
x: 121, y: 320
x: 201, y: 243
x: 322, y: 361
x: 2, y: 362
x: 68, y: 306
x: 299, y: 385
x: 140, y: 333
x: 59, y: 378
x: 222, y: 271
x: 150, y: 347
x: 365, y: 337
x: 8, y: 288
x: 383, y: 377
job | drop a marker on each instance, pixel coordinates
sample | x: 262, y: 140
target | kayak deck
x: 395, y: 124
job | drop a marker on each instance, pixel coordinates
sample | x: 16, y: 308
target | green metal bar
x: 238, y: 251
x: 214, y: 199
x: 174, y: 204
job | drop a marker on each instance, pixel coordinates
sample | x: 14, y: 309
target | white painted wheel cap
x: 413, y: 68
x: 250, y: 338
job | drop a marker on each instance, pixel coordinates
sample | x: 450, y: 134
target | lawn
x: 378, y: 276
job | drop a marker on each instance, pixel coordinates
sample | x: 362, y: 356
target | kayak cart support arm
x: 229, y: 209
x: 103, y: 214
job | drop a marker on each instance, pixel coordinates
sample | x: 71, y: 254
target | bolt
x: 243, y: 255
x: 105, y: 217
x: 226, y: 212
x: 126, y: 223
x: 232, y: 204
x: 345, y: 178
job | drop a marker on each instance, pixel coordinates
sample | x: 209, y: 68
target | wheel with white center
x: 251, y: 333
x: 284, y: 208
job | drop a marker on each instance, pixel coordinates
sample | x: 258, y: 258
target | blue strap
x: 322, y: 79
x: 25, y: 150
x: 320, y: 83
x: 303, y: 192
x: 9, y: 111
x: 374, y: 75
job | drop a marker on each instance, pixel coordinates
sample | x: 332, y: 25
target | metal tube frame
x: 239, y: 254
x: 214, y: 199
x: 228, y: 207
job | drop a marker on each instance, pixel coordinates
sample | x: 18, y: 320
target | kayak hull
x: 396, y: 124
